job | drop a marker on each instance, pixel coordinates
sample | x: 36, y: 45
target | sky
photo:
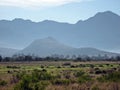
x: 69, y: 11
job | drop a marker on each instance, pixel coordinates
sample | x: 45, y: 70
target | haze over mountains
x: 7, y: 52
x: 101, y: 31
x: 50, y: 47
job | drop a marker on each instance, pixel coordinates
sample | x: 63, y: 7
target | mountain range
x: 101, y: 31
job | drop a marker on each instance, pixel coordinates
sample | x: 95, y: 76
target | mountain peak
x: 106, y: 13
x: 50, y: 39
x: 49, y: 21
x: 21, y: 20
x: 46, y: 40
x: 102, y: 16
x: 18, y: 19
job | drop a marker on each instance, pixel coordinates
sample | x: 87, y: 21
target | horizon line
x: 19, y: 18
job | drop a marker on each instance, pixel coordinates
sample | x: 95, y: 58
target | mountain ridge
x: 47, y: 20
x: 99, y: 33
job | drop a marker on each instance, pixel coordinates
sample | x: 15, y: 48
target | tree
x: 79, y: 59
x: 118, y: 58
x: 7, y: 59
x: 73, y: 57
x: 0, y: 58
x: 28, y: 58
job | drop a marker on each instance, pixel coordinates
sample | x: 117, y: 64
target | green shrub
x: 82, y: 65
x: 34, y: 81
x: 42, y: 66
x: 13, y: 67
x: 115, y: 77
x: 101, y: 65
x: 3, y: 83
x: 95, y: 88
x: 92, y: 66
x: 112, y: 77
x: 79, y: 74
x: 59, y: 67
x: 40, y: 85
x: 84, y: 79
x: 19, y: 75
x: 101, y: 79
x: 24, y: 84
x: 67, y: 64
x: 61, y: 82
x: 45, y: 76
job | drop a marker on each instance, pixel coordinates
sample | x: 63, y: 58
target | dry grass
x: 52, y: 67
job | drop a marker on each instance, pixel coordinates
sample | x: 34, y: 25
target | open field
x: 60, y: 75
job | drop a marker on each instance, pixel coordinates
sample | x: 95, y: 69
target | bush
x: 3, y: 83
x: 42, y: 66
x: 66, y: 64
x: 112, y: 77
x: 95, y: 88
x: 34, y: 81
x: 101, y: 79
x: 61, y: 82
x: 25, y: 83
x: 20, y: 75
x: 13, y: 67
x: 82, y: 65
x: 115, y: 77
x: 40, y: 85
x: 92, y: 66
x: 45, y: 76
x: 101, y: 65
x: 98, y: 72
x: 79, y: 74
x: 84, y: 79
x: 41, y: 75
x: 73, y: 66
x: 59, y: 67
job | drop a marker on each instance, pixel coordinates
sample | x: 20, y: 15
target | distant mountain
x: 49, y: 46
x: 7, y: 52
x: 100, y: 31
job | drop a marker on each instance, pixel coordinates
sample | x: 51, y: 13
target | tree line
x: 56, y: 57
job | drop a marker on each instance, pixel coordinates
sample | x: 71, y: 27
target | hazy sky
x: 60, y: 10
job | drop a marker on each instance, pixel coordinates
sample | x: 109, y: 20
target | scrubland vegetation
x: 60, y: 75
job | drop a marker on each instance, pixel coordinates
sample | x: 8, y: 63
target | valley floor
x: 60, y: 75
